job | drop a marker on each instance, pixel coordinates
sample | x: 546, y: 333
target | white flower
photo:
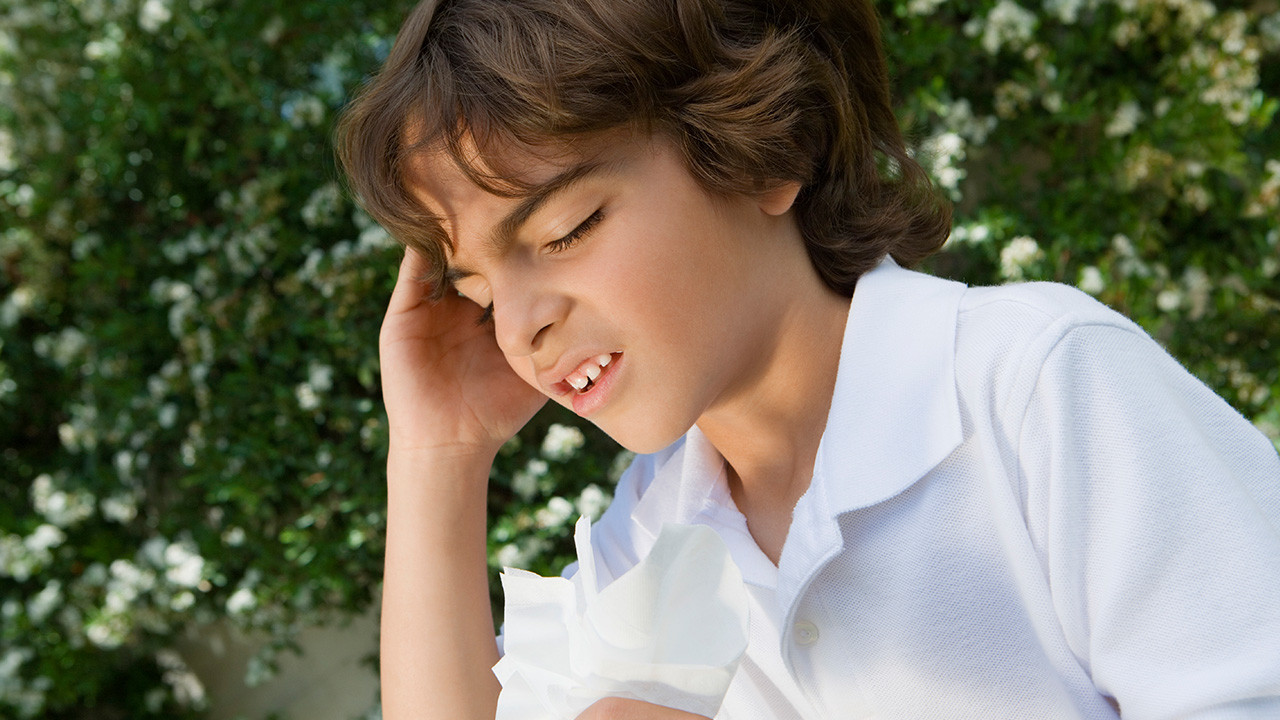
x: 1197, y: 196
x: 107, y: 632
x: 272, y: 31
x: 556, y: 513
x: 119, y: 508
x: 1169, y: 299
x: 40, y: 605
x: 1198, y: 287
x: 106, y: 48
x: 182, y: 601
x: 923, y: 7
x: 303, y: 111
x: 185, y: 567
x: 130, y: 577
x: 592, y: 501
x: 1126, y: 31
x: 14, y: 659
x: 241, y: 601
x: 1091, y: 280
x: 154, y: 14
x: 525, y: 480
x: 562, y: 442
x: 45, y: 538
x: 95, y: 576
x: 167, y: 415
x: 372, y: 235
x: 324, y: 206
x: 1017, y: 255
x: 320, y: 376
x: 958, y: 117
x: 233, y: 536
x: 1195, y: 13
x: 512, y: 555
x: 1008, y: 23
x: 307, y: 397
x: 509, y: 555
x: 942, y: 152
x: 8, y: 163
x: 1270, y: 267
x: 1269, y: 29
x: 16, y: 561
x: 1125, y: 120
x: 187, y: 688
x: 1068, y: 11
x: 119, y: 598
x: 153, y: 551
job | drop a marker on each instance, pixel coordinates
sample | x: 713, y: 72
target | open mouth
x: 587, y: 375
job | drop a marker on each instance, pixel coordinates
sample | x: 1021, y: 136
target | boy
x: 686, y: 220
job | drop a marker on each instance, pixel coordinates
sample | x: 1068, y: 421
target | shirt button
x: 805, y: 633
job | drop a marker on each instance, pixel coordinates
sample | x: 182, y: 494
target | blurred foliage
x: 190, y: 420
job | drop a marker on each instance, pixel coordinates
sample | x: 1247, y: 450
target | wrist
x: 455, y: 470
x: 450, y: 454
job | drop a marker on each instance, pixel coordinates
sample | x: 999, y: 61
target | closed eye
x: 555, y: 246
x: 577, y: 234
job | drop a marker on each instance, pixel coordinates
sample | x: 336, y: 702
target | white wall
x: 325, y: 683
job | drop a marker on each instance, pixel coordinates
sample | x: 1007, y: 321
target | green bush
x: 190, y: 421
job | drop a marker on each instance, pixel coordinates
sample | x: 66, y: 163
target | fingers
x: 410, y: 291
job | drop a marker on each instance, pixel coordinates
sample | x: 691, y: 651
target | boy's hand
x: 446, y: 385
x: 622, y: 709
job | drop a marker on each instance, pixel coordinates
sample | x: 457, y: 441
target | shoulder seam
x: 1070, y: 323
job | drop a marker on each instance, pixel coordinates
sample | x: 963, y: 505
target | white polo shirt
x: 1021, y: 507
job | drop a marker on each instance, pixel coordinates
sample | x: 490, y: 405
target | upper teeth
x: 589, y: 370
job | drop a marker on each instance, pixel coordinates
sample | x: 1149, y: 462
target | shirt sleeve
x: 1156, y: 508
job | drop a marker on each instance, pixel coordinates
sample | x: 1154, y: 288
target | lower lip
x: 584, y: 404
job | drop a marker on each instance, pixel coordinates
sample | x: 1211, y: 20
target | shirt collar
x: 895, y: 413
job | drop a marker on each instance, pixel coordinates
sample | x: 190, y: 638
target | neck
x: 769, y: 425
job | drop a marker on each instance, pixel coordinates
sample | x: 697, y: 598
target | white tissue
x: 670, y: 631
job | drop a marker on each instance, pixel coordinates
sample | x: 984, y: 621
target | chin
x: 644, y: 438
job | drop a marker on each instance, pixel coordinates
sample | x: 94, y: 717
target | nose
x: 523, y: 317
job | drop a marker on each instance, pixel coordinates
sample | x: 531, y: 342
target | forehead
x: 436, y: 174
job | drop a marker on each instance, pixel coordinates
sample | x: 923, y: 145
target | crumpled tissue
x: 669, y: 631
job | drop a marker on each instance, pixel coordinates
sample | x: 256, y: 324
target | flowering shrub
x: 190, y: 424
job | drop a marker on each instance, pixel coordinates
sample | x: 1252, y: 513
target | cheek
x: 523, y: 367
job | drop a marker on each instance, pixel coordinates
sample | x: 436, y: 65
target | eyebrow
x: 506, y: 231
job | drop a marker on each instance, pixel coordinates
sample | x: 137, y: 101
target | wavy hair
x: 754, y: 93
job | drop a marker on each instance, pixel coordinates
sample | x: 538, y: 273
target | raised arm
x: 452, y: 401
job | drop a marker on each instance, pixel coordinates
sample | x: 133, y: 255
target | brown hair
x: 753, y: 92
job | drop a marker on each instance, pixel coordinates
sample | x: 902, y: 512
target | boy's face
x: 628, y: 261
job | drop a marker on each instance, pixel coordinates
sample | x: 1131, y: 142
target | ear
x: 779, y: 199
